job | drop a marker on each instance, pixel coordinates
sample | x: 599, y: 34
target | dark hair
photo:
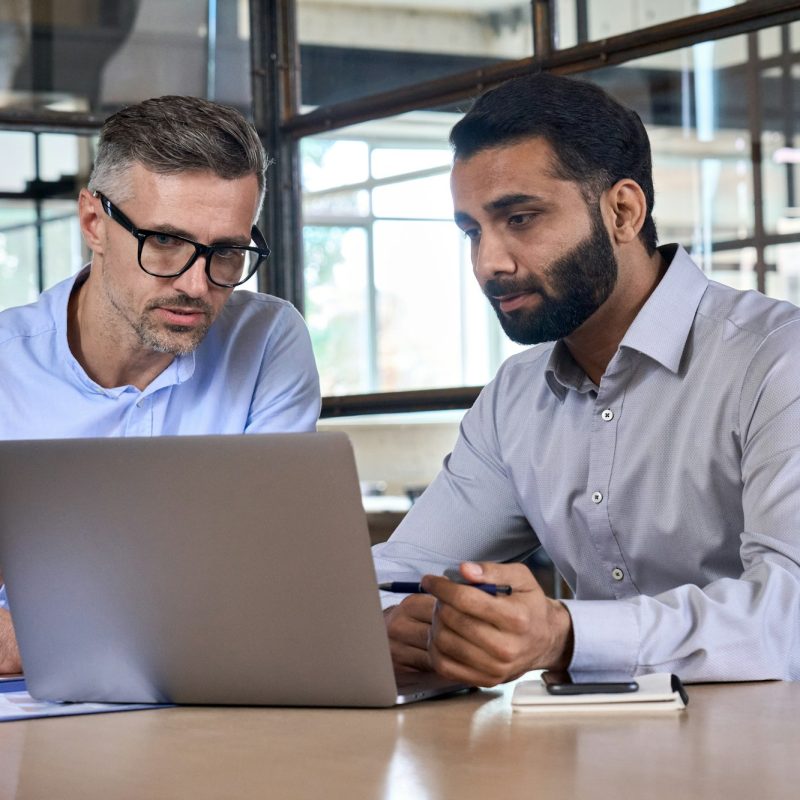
x: 596, y: 140
x: 174, y: 134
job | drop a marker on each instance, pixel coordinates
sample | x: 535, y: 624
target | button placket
x: 607, y: 407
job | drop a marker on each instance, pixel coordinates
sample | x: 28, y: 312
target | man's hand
x: 9, y: 653
x: 408, y: 625
x: 483, y: 639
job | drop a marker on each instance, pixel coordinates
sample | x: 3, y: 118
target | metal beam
x: 735, y: 20
x: 394, y: 402
x: 274, y: 70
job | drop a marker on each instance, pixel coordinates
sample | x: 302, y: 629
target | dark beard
x: 581, y: 281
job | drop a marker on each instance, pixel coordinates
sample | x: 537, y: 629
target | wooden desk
x: 735, y: 741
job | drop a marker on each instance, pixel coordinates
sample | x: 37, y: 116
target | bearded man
x: 652, y: 446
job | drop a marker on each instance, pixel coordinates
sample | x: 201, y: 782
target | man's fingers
x: 408, y: 626
x: 419, y: 607
x: 452, y: 655
x: 518, y: 576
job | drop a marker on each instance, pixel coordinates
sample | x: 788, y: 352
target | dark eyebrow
x: 499, y: 204
x: 171, y: 230
x: 512, y: 200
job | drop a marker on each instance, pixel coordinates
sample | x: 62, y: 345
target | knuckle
x: 505, y: 651
x: 518, y: 619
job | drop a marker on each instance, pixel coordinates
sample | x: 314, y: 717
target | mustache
x: 503, y: 287
x: 182, y: 301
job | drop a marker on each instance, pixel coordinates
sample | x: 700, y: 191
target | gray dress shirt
x: 668, y: 496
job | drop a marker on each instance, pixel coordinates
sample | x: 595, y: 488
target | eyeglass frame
x: 205, y: 250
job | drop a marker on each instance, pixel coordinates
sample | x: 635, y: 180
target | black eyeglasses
x: 165, y: 255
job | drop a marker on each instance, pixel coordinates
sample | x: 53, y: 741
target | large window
x: 388, y: 290
x: 355, y: 99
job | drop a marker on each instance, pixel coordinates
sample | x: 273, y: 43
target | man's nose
x: 194, y: 282
x: 491, y: 258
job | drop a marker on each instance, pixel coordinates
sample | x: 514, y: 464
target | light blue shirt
x: 254, y: 372
x: 668, y: 496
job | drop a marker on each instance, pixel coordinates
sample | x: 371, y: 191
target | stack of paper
x: 660, y: 691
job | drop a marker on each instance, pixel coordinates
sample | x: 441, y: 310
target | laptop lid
x: 213, y: 569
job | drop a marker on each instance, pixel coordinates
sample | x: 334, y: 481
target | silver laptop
x: 211, y: 569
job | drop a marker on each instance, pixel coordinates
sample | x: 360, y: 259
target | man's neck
x: 594, y: 344
x: 107, y: 353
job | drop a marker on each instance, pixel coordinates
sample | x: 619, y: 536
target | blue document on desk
x: 16, y: 704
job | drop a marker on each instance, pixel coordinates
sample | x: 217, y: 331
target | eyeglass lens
x: 165, y: 255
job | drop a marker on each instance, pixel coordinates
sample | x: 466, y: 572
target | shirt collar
x: 562, y: 373
x: 662, y: 327
x: 659, y: 331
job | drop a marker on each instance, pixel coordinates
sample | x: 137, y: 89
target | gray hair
x: 172, y: 134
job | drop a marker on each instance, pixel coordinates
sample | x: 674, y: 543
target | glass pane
x: 694, y: 103
x: 80, y: 56
x: 61, y: 240
x: 424, y: 197
x: 783, y: 269
x: 589, y: 20
x: 417, y: 285
x: 362, y: 47
x: 337, y: 307
x: 18, y: 160
x: 424, y: 321
x: 778, y: 107
x: 39, y: 216
x: 19, y: 279
x: 736, y: 268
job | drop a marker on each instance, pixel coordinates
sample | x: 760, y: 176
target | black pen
x: 410, y: 587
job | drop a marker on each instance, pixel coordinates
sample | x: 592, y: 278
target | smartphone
x: 562, y: 683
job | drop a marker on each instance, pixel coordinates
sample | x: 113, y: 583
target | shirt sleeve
x: 3, y: 597
x: 734, y: 628
x: 470, y: 512
x: 287, y: 396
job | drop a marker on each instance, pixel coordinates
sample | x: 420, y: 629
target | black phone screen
x: 562, y: 683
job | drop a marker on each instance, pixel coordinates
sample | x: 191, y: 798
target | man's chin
x: 176, y: 340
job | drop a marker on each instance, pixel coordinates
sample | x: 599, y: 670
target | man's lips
x: 511, y: 302
x: 181, y: 316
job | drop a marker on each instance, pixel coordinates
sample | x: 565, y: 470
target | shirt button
x: 597, y: 497
x: 617, y: 574
x: 607, y: 415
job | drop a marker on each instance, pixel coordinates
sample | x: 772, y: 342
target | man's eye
x: 165, y: 240
x: 517, y: 220
x: 473, y: 234
x: 227, y: 253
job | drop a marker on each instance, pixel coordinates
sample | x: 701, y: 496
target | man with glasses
x: 150, y: 338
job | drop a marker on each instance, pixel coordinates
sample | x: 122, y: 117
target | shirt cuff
x: 606, y: 636
x: 3, y: 597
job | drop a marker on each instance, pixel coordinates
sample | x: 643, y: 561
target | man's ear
x: 92, y: 221
x: 627, y: 206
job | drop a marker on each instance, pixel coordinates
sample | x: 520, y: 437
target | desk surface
x: 734, y: 741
